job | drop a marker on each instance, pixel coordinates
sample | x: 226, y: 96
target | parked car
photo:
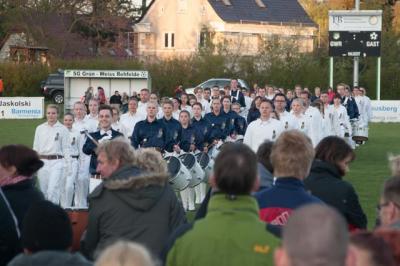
x: 53, y: 87
x: 220, y: 82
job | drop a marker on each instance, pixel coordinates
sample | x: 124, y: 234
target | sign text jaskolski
x: 21, y: 107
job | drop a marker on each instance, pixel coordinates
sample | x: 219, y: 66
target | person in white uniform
x: 284, y: 116
x: 71, y: 166
x: 315, y: 117
x: 342, y: 116
x: 144, y: 99
x: 51, y: 143
x: 117, y: 125
x: 185, y: 103
x: 199, y: 96
x: 368, y: 106
x: 130, y: 118
x: 264, y: 128
x: 82, y: 182
x: 302, y: 122
x: 92, y: 119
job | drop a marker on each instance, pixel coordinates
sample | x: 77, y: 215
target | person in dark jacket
x: 134, y: 202
x: 47, y: 238
x: 17, y: 165
x: 332, y: 159
x: 254, y: 112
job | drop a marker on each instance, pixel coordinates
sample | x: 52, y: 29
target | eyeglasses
x: 280, y: 101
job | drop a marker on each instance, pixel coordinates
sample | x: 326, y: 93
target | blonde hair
x: 394, y: 163
x: 124, y: 253
x: 292, y: 154
x: 118, y: 149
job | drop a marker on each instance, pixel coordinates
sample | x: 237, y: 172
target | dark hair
x: 25, y: 160
x: 333, y: 149
x: 279, y: 95
x: 267, y: 101
x: 253, y: 103
x: 380, y: 253
x: 46, y: 226
x: 264, y: 153
x: 106, y: 107
x: 207, y: 89
x: 198, y: 104
x: 226, y: 97
x: 337, y: 96
x: 306, y: 92
x: 235, y: 169
x: 186, y: 112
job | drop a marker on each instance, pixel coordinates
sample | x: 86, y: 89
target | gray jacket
x: 135, y: 205
x: 50, y: 258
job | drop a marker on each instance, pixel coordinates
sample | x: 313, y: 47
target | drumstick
x: 91, y: 138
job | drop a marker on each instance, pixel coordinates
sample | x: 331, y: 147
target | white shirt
x: 74, y: 139
x: 51, y: 140
x: 187, y: 108
x: 315, y: 124
x: 92, y: 122
x: 368, y: 109
x: 129, y: 121
x: 142, y: 108
x: 121, y: 128
x: 303, y: 123
x: 344, y: 120
x: 288, y: 121
x: 175, y: 114
x: 259, y: 131
x: 330, y: 122
x: 206, y: 106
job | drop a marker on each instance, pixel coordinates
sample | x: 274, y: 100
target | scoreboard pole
x: 331, y: 72
x: 378, y: 79
x: 356, y: 58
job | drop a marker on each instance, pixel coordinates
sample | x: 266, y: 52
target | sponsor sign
x: 385, y: 111
x: 123, y: 74
x: 21, y: 107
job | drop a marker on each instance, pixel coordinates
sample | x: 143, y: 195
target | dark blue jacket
x: 149, y: 135
x: 219, y: 125
x: 203, y: 128
x: 173, y: 132
x: 240, y: 125
x: 191, y: 136
x: 89, y: 148
x: 277, y: 203
x: 231, y: 116
x: 351, y: 107
x: 253, y: 114
x: 240, y: 97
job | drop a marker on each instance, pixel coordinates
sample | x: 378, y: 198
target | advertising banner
x: 21, y: 107
x: 385, y: 111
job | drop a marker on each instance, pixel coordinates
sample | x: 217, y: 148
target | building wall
x: 13, y: 39
x: 186, y: 19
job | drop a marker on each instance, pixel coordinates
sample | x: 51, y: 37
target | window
x: 204, y: 38
x: 169, y: 40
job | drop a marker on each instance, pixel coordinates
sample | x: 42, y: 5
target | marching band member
x: 130, y: 118
x: 71, y: 167
x: 92, y: 119
x: 189, y: 143
x: 315, y: 117
x: 105, y: 133
x: 199, y: 97
x: 331, y: 120
x: 51, y: 143
x: 172, y: 126
x: 368, y: 106
x: 154, y: 99
x: 264, y: 128
x: 254, y: 112
x: 185, y: 103
x: 240, y: 124
x: 236, y: 95
x: 343, y: 118
x: 230, y: 115
x: 302, y: 122
x: 82, y: 181
x: 117, y: 125
x: 280, y: 102
x: 177, y: 108
x: 219, y: 122
x: 347, y: 101
x: 149, y: 132
x: 202, y: 126
x: 144, y: 99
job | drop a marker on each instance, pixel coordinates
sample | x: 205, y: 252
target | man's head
x: 132, y: 105
x: 144, y: 95
x: 79, y: 110
x: 152, y: 109
x: 266, y: 108
x: 297, y: 90
x: 340, y: 89
x: 264, y: 155
x: 112, y: 155
x: 305, y: 96
x: 207, y: 93
x: 46, y: 226
x: 314, y: 235
x: 356, y: 91
x: 93, y: 107
x: 116, y: 93
x: 105, y: 117
x: 235, y: 170
x: 215, y: 92
x: 297, y: 106
x: 52, y: 113
x: 389, y: 206
x: 262, y: 92
x: 292, y: 155
x: 197, y: 109
x: 216, y: 106
x: 324, y: 97
x: 280, y: 102
x: 234, y: 84
x: 198, y: 91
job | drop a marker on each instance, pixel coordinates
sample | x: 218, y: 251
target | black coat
x: 20, y: 197
x: 326, y: 183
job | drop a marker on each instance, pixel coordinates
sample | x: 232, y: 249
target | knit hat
x: 46, y: 226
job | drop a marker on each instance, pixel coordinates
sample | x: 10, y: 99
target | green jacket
x: 231, y: 234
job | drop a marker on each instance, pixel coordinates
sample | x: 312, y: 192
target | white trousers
x: 70, y: 176
x: 200, y: 192
x: 187, y: 197
x: 50, y: 179
x: 82, y: 182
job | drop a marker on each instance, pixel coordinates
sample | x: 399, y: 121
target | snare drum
x: 189, y: 160
x: 206, y: 163
x: 79, y: 221
x: 180, y: 175
x: 360, y: 134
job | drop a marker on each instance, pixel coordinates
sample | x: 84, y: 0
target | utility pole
x: 356, y: 58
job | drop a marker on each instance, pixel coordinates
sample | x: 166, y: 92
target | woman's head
x: 336, y: 151
x: 18, y: 160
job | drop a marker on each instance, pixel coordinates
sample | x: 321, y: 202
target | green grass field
x: 367, y: 172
